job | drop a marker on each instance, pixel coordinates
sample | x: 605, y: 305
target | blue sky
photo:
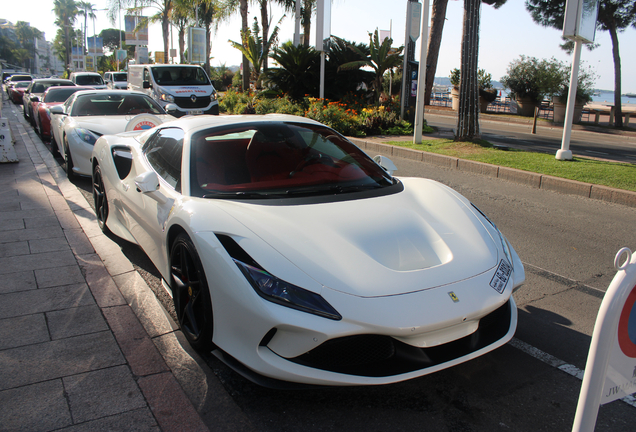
x: 506, y: 33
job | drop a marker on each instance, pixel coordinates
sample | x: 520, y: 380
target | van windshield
x: 89, y: 80
x: 179, y: 76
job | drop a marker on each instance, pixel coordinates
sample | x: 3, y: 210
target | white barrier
x: 7, y: 151
x: 610, y: 372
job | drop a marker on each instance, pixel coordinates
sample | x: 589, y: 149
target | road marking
x: 559, y: 364
x: 596, y: 152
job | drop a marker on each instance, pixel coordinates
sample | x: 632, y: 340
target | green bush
x: 529, y: 77
x: 349, y: 116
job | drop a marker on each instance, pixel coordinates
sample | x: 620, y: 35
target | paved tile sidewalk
x: 73, y: 354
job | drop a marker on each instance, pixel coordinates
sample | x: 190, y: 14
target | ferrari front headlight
x: 283, y: 293
x: 87, y: 136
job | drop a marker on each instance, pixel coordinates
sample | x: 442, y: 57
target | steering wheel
x: 311, y: 159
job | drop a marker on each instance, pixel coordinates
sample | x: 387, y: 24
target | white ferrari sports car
x: 294, y: 256
x: 86, y: 115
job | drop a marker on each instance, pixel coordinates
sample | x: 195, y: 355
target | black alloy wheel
x: 68, y: 161
x: 100, y: 199
x: 190, y: 293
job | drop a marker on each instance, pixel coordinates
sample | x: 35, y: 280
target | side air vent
x: 122, y: 157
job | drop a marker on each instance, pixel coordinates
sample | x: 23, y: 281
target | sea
x: 609, y: 98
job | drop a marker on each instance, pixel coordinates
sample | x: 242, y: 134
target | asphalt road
x: 548, y: 139
x: 567, y: 245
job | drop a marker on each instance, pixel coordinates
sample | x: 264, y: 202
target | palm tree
x: 181, y: 18
x: 164, y: 9
x: 253, y: 48
x: 306, y: 12
x: 299, y: 70
x: 231, y: 5
x: 66, y: 13
x: 468, y: 113
x: 380, y: 59
x: 438, y: 19
x: 88, y: 10
x: 26, y: 36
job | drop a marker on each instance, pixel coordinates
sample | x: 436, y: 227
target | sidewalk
x: 79, y: 333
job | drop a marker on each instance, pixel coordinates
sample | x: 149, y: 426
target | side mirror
x: 386, y: 164
x: 57, y: 109
x: 146, y: 85
x: 171, y: 108
x: 148, y: 184
x: 34, y: 99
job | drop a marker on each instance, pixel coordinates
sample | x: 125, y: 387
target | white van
x: 116, y: 80
x: 186, y: 86
x: 91, y: 79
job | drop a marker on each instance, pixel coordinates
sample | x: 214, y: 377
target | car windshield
x: 184, y: 75
x: 89, y: 80
x: 120, y: 77
x: 59, y: 94
x: 22, y: 84
x: 40, y: 87
x: 108, y: 104
x: 279, y: 159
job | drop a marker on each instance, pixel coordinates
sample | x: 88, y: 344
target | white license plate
x: 500, y: 279
x: 195, y: 112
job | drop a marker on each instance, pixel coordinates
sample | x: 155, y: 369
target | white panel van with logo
x: 186, y: 86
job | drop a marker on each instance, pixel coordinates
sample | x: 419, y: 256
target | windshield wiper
x: 236, y: 195
x: 331, y: 190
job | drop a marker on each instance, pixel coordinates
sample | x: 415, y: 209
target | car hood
x: 420, y: 238
x: 109, y: 125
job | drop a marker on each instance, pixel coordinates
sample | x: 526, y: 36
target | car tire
x: 68, y: 161
x: 191, y: 294
x: 100, y: 199
x: 36, y: 128
x: 55, y: 151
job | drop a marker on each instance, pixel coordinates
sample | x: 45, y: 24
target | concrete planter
x: 559, y: 111
x: 483, y: 105
x: 526, y: 107
x: 455, y: 98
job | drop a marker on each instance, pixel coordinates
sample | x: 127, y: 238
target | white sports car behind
x: 87, y: 115
x: 292, y: 255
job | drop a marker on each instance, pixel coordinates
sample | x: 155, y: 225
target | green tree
x: 614, y: 16
x: 7, y: 48
x: 26, y: 36
x: 342, y: 82
x: 380, y: 59
x: 66, y: 13
x: 299, y: 70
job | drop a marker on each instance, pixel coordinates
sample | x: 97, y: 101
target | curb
x: 534, y: 180
x: 134, y: 315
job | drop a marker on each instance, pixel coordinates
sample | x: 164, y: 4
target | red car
x: 51, y: 97
x: 33, y: 95
x: 16, y: 91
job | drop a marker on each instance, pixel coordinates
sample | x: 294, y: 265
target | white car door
x: 58, y: 122
x: 156, y: 187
